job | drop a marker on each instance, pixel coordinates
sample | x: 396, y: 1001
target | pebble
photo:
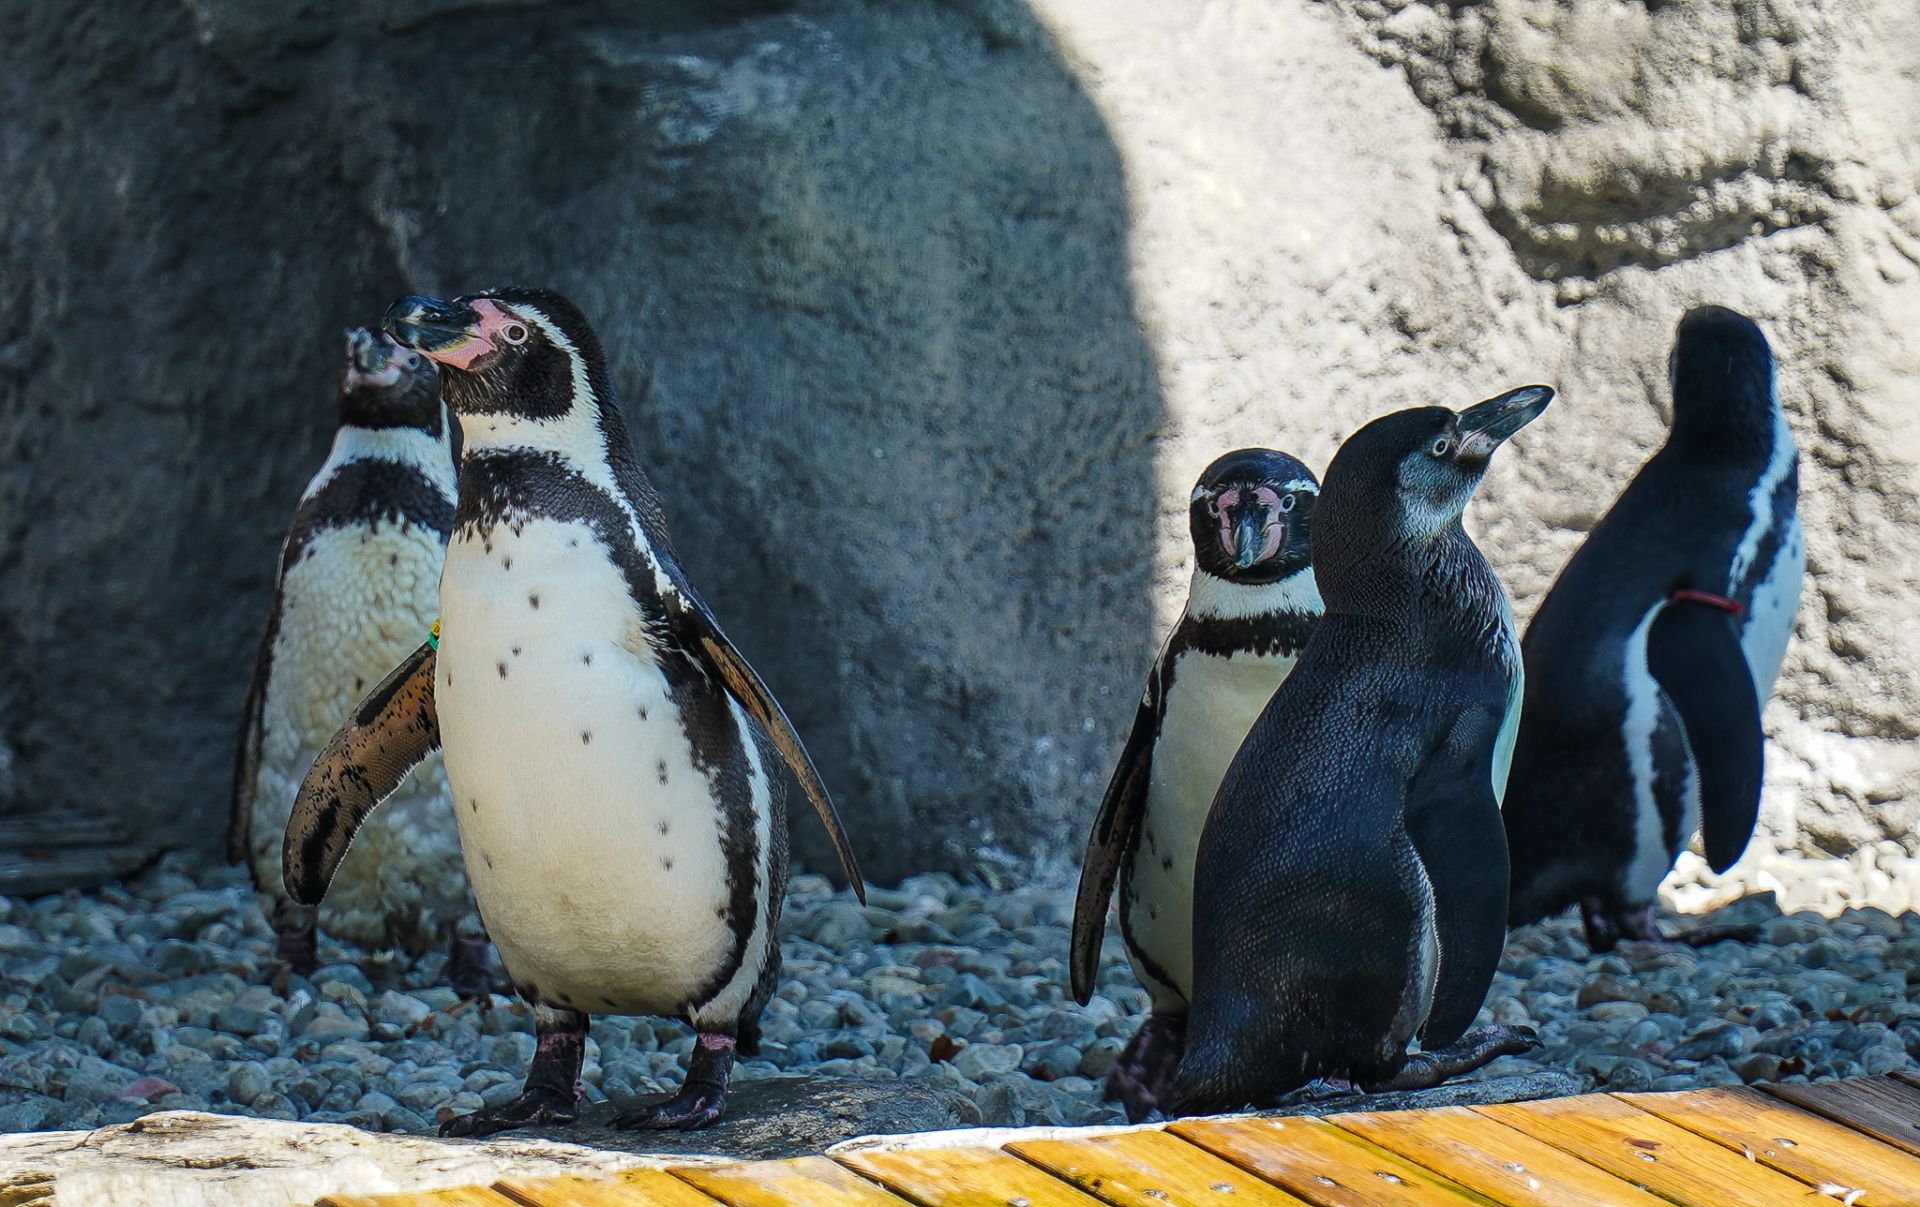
x: 157, y: 996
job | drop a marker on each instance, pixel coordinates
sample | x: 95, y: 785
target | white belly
x: 593, y: 842
x: 1209, y: 708
x: 353, y: 607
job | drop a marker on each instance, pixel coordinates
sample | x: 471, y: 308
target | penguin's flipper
x: 1112, y: 834
x: 394, y: 728
x: 1454, y: 822
x: 753, y: 696
x: 1693, y: 653
x: 246, y: 761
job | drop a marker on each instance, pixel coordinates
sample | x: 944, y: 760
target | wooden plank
x: 1492, y: 1158
x: 630, y: 1188
x: 1650, y: 1152
x: 455, y: 1196
x: 1825, y: 1155
x: 1908, y: 1076
x: 1322, y: 1164
x: 964, y: 1177
x: 1883, y: 1108
x: 1150, y: 1169
x: 817, y: 1181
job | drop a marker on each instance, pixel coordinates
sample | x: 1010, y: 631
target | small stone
x: 248, y: 1082
x: 1630, y: 1074
x: 1055, y: 1061
x: 978, y: 1061
x: 1000, y: 1106
x: 1769, y: 1015
x: 1607, y: 988
x: 120, y: 1013
x: 399, y: 1009
x: 1098, y: 1057
x: 243, y: 1020
x: 1725, y: 1041
x: 1616, y: 1011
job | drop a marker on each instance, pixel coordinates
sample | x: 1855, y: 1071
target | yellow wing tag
x: 433, y: 634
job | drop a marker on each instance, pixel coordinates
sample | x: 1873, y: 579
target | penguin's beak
x: 371, y: 363
x: 366, y: 351
x: 447, y: 332
x: 1485, y: 426
x: 1254, y: 541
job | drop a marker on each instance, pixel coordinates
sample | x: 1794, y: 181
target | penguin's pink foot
x: 535, y: 1105
x: 1424, y: 1070
x: 470, y: 967
x: 298, y: 948
x: 702, y: 1097
x: 1142, y: 1076
x: 1607, y: 925
x: 552, y: 1093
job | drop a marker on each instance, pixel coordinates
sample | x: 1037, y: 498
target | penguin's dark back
x: 1676, y: 525
x: 1309, y: 821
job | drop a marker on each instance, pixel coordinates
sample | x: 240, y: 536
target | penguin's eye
x: 514, y: 333
x: 1442, y: 447
x: 1286, y: 503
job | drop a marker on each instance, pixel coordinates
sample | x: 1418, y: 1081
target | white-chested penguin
x: 612, y: 756
x: 359, y: 582
x: 1350, y: 895
x: 1249, y: 609
x: 1649, y: 661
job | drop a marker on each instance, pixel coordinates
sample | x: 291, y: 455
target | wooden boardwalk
x: 1855, y: 1142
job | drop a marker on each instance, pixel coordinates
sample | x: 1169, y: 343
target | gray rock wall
x: 927, y: 314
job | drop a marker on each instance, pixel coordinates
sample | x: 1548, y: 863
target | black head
x: 518, y: 352
x: 1401, y: 482
x: 1251, y: 515
x: 1722, y: 374
x: 386, y: 386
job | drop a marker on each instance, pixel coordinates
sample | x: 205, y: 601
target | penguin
x: 612, y: 757
x: 1250, y: 607
x: 1653, y: 654
x: 1350, y: 888
x: 358, y: 580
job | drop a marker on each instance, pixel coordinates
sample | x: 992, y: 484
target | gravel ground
x: 153, y: 996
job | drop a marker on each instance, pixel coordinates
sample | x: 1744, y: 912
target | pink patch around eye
x: 1268, y: 496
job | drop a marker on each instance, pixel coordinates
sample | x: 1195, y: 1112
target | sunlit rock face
x: 927, y: 314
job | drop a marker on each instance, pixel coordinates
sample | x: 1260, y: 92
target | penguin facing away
x: 611, y: 754
x: 1351, y: 881
x: 358, y: 582
x: 1249, y: 610
x: 1652, y: 656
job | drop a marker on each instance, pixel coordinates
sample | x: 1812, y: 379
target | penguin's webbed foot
x: 298, y: 947
x: 1424, y: 1070
x: 470, y: 968
x: 1702, y: 936
x: 553, y: 1089
x: 702, y: 1098
x: 1141, y: 1079
x: 536, y: 1105
x: 1608, y: 925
